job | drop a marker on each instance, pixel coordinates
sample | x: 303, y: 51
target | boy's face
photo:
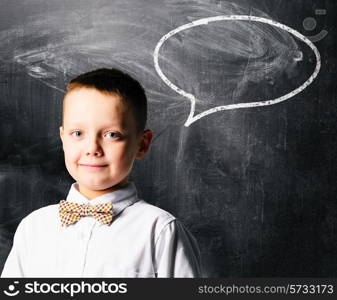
x: 100, y: 140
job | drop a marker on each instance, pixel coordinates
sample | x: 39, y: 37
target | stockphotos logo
x: 12, y: 290
x: 71, y: 289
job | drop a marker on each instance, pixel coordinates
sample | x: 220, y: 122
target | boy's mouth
x: 93, y: 165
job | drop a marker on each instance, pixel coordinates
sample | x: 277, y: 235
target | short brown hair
x: 115, y: 81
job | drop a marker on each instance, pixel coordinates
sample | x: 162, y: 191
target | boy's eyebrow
x: 79, y: 124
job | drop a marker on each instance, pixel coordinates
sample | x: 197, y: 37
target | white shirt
x: 142, y: 241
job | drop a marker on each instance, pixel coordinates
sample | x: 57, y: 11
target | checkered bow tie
x: 71, y: 212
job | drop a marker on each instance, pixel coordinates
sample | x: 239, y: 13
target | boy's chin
x: 101, y: 186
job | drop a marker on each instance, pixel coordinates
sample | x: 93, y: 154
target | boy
x: 103, y: 229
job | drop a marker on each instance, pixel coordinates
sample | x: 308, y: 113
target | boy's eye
x: 75, y: 133
x: 112, y: 135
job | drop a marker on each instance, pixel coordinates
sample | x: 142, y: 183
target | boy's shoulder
x: 47, y: 210
x: 39, y: 216
x: 151, y: 219
x: 151, y: 212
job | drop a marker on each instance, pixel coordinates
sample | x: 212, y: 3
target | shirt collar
x: 120, y: 199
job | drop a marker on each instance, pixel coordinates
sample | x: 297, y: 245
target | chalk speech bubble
x: 192, y: 118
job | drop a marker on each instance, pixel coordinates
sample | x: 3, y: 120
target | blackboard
x: 255, y: 183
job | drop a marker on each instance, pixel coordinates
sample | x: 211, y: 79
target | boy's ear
x: 144, y: 144
x: 61, y: 133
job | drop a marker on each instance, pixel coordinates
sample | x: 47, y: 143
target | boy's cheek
x: 69, y: 148
x: 70, y: 156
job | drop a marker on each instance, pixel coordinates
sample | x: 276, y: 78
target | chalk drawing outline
x: 193, y: 118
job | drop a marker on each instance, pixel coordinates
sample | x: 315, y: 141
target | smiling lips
x: 94, y: 166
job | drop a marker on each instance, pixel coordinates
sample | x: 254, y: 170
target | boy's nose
x: 96, y: 153
x: 94, y: 148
